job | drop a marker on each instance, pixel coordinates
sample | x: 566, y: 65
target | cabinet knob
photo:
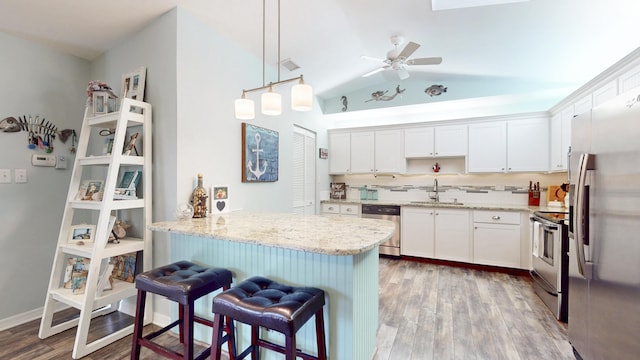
x: 502, y: 169
x: 330, y: 207
x: 495, y: 217
x: 348, y: 210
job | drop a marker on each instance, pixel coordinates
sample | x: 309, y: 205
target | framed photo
x: 323, y: 153
x: 104, y: 101
x: 130, y: 179
x: 124, y: 267
x: 90, y: 190
x: 259, y: 154
x: 132, y: 145
x: 338, y: 191
x: 108, y: 145
x: 133, y: 84
x: 79, y: 234
x: 219, y: 199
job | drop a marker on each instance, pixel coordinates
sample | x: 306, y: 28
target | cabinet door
x: 419, y: 142
x: 629, y: 80
x: 583, y: 105
x: 528, y: 145
x: 417, y: 232
x: 451, y: 141
x: 555, y: 147
x: 606, y: 92
x: 496, y: 244
x: 487, y: 147
x: 362, y: 152
x: 389, y: 154
x: 452, y: 235
x: 339, y: 153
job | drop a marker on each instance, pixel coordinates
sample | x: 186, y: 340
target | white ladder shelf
x: 133, y: 115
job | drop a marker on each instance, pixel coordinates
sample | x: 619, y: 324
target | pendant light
x: 271, y: 101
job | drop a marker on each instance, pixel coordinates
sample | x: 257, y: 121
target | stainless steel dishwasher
x: 386, y: 212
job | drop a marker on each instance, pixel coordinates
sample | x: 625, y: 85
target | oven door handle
x: 581, y: 212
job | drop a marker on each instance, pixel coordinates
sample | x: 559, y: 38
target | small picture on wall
x: 338, y: 191
x: 219, y: 199
x: 323, y: 153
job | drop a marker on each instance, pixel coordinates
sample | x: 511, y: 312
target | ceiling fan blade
x: 371, y: 58
x: 424, y: 61
x: 408, y: 50
x: 402, y: 73
x: 373, y: 72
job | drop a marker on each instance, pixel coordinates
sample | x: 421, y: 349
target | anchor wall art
x: 259, y: 154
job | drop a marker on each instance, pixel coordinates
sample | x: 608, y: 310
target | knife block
x: 534, y: 197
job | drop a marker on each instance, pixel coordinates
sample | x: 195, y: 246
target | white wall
x: 36, y: 80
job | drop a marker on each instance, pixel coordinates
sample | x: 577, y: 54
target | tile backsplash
x: 507, y: 189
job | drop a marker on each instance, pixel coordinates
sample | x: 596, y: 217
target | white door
x: 304, y: 171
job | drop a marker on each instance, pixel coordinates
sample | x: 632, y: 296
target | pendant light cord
x: 263, y: 41
x: 278, y: 64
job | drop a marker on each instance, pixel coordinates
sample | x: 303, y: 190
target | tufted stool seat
x: 183, y: 282
x: 261, y: 302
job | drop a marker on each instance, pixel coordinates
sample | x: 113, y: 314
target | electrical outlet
x: 5, y: 176
x: 21, y: 176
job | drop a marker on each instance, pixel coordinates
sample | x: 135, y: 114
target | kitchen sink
x: 443, y: 203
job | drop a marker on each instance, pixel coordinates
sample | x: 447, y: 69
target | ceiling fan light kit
x: 271, y: 101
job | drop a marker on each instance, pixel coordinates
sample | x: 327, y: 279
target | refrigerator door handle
x: 581, y: 218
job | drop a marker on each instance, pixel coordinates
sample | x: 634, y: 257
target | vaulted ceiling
x: 520, y: 47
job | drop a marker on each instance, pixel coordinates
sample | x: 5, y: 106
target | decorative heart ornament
x: 220, y: 205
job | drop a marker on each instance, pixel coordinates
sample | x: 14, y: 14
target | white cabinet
x: 440, y: 141
x: 629, y: 80
x: 452, y: 235
x: 496, y: 238
x: 417, y: 232
x: 560, y: 139
x: 487, y: 147
x: 339, y: 153
x: 340, y: 209
x: 528, y: 144
x: 605, y: 92
x: 388, y: 150
x: 362, y: 152
x: 583, y: 105
x: 367, y: 152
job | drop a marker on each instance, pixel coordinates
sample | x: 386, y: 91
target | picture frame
x: 219, y: 199
x: 108, y: 145
x: 81, y: 234
x: 125, y: 266
x: 323, y: 153
x: 338, y: 191
x: 90, y: 190
x: 132, y: 145
x: 133, y: 84
x: 127, y: 187
x: 104, y: 102
x: 260, y: 149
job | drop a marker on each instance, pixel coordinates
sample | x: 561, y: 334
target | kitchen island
x: 336, y: 254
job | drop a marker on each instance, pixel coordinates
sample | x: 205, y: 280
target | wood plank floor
x: 427, y: 311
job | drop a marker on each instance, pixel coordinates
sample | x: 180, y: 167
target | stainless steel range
x: 550, y: 260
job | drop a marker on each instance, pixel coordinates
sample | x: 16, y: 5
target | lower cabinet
x: 417, y: 232
x: 436, y: 233
x: 340, y: 209
x: 481, y: 236
x: 452, y: 235
x: 496, y: 238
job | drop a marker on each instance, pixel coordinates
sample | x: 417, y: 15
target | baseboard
x: 25, y: 317
x: 161, y: 319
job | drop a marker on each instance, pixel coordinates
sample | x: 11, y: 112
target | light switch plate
x: 21, y: 176
x: 5, y: 176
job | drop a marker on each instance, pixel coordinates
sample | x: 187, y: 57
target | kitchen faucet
x: 436, y: 195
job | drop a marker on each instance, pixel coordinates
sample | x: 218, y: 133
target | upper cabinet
x: 528, y: 144
x: 505, y: 146
x: 560, y: 139
x: 629, y: 80
x: 487, y: 147
x: 367, y: 152
x: 440, y: 141
x: 339, y: 153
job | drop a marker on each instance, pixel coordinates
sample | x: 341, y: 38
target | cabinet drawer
x: 496, y: 217
x: 331, y: 208
x: 349, y: 209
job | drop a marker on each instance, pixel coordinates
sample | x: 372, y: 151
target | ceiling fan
x: 399, y: 61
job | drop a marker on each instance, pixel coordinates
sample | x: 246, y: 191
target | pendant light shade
x: 271, y: 103
x: 301, y: 97
x: 245, y: 109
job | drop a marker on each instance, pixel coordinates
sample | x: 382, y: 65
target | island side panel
x: 351, y: 284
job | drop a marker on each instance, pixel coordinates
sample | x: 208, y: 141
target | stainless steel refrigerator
x: 604, y: 244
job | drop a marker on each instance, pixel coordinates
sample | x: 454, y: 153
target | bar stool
x: 184, y: 283
x: 261, y: 302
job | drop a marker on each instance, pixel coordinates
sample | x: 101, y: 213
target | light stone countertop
x: 330, y: 235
